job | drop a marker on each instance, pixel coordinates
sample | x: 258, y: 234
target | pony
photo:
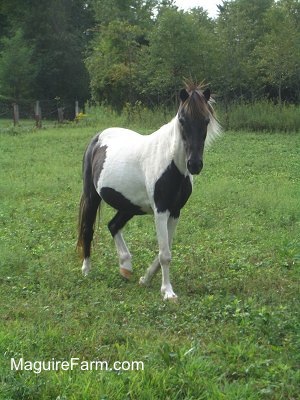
x: 146, y: 174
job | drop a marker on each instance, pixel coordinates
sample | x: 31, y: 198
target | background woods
x: 119, y: 52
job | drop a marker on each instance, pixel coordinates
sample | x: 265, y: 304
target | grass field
x: 234, y: 333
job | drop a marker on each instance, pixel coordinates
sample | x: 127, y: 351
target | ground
x: 235, y: 330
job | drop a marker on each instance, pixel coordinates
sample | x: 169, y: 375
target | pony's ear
x: 206, y: 94
x: 183, y: 95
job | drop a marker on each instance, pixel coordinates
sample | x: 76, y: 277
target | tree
x: 111, y: 64
x: 57, y: 33
x: 120, y: 35
x: 134, y: 12
x: 179, y: 47
x: 17, y: 73
x: 240, y: 26
x: 279, y: 51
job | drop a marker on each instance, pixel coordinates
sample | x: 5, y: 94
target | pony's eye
x: 207, y: 121
x: 182, y: 120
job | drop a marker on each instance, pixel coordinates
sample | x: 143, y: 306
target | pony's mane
x: 196, y: 106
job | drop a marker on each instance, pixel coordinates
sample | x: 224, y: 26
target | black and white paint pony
x: 137, y: 174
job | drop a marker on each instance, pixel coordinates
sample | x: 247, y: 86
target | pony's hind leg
x: 115, y: 226
x: 87, y: 216
x: 151, y: 271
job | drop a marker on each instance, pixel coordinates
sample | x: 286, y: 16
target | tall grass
x: 261, y: 116
x: 135, y: 116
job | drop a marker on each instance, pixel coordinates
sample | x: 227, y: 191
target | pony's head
x: 195, y: 114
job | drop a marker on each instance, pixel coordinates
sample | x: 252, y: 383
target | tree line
x: 123, y: 51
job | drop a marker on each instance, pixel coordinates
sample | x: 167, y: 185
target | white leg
x: 124, y: 256
x: 146, y: 279
x: 86, y: 266
x: 161, y: 222
x: 151, y: 271
x: 172, y: 224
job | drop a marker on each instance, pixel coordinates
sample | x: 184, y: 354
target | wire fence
x: 38, y: 110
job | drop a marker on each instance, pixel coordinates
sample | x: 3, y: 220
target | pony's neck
x: 177, y: 148
x: 168, y: 139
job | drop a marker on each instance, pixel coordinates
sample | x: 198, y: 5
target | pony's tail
x: 89, y: 203
x: 81, y: 219
x: 86, y: 223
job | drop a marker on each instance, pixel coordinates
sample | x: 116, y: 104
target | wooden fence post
x: 38, y: 114
x: 60, y: 112
x: 76, y: 108
x: 16, y: 114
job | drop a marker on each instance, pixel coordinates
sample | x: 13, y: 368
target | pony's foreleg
x: 115, y: 226
x: 154, y: 267
x: 161, y: 223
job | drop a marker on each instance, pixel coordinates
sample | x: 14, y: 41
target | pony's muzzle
x: 194, y: 166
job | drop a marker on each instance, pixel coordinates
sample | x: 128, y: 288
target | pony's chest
x: 172, y: 190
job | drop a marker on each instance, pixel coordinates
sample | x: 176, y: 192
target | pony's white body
x: 141, y: 174
x: 136, y: 161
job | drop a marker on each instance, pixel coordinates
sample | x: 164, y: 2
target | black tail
x: 89, y: 203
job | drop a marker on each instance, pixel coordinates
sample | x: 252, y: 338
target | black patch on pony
x: 118, y: 222
x: 172, y: 191
x: 119, y: 202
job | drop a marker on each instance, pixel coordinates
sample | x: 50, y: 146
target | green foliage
x: 112, y: 63
x: 120, y: 52
x: 240, y: 27
x: 17, y: 73
x: 234, y: 333
x: 179, y: 46
x: 250, y: 50
x: 279, y: 50
x: 55, y: 35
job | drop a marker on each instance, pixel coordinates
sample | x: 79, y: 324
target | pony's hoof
x: 86, y: 267
x: 126, y: 273
x: 142, y: 281
x: 173, y: 299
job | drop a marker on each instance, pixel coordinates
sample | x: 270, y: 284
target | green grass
x: 234, y: 333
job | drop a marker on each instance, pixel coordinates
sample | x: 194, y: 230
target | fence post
x: 76, y: 108
x: 38, y: 114
x: 16, y: 114
x: 60, y: 112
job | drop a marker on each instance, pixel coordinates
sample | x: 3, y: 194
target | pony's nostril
x: 194, y: 166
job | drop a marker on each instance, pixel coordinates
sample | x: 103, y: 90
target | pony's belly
x: 122, y: 182
x: 124, y: 202
x: 125, y: 195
